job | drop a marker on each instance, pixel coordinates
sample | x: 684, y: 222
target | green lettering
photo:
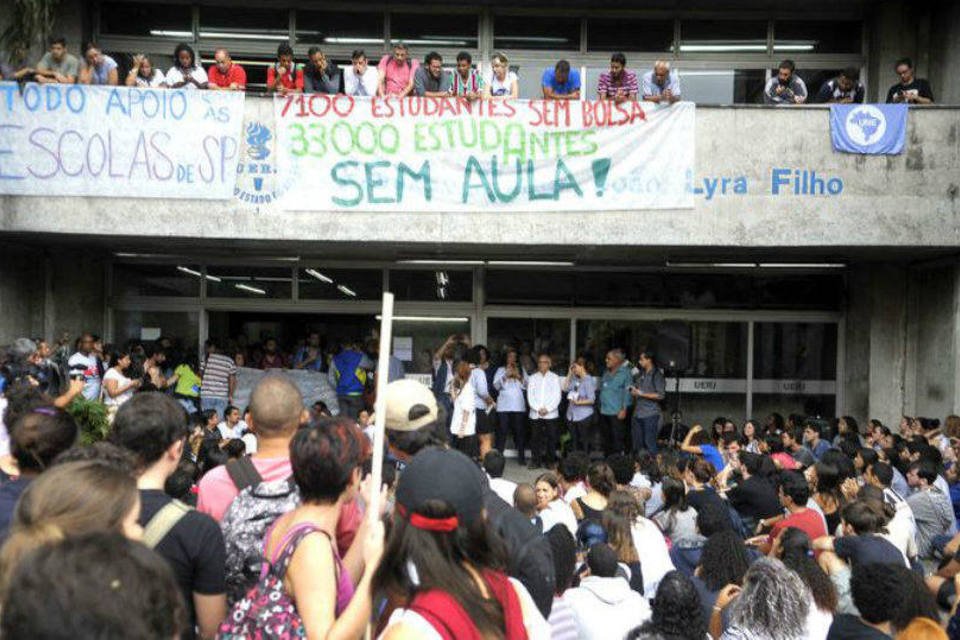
x: 532, y: 187
x: 299, y: 137
x: 564, y: 179
x: 518, y: 181
x: 389, y: 146
x: 375, y: 181
x: 489, y: 135
x: 473, y: 165
x: 515, y: 142
x: 423, y: 174
x: 346, y: 181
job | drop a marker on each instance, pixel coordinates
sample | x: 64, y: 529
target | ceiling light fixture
x: 319, y: 276
x: 429, y: 318
x: 246, y: 287
x: 347, y: 290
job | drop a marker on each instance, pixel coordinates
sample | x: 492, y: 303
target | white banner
x: 75, y: 140
x: 448, y: 154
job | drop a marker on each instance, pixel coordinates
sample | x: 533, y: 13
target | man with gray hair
x: 614, y: 401
x: 661, y: 85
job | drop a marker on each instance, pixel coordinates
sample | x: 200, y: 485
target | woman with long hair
x: 443, y: 571
x: 620, y: 537
x: 677, y: 519
x: 648, y: 541
x: 118, y: 388
x: 550, y: 505
x: 600, y: 483
x: 68, y: 500
x: 750, y: 438
x: 186, y: 73
x: 824, y: 481
x: 463, y: 425
x: 795, y: 550
x: 676, y: 611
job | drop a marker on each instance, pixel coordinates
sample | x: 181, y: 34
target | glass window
x: 729, y: 86
x: 814, y: 79
x: 432, y: 286
x: 530, y: 336
x: 416, y: 340
x: 723, y: 36
x: 320, y: 283
x: 244, y: 23
x: 248, y: 282
x: 529, y: 287
x: 536, y: 32
x: 817, y: 36
x: 146, y: 19
x: 356, y: 30
x: 424, y: 30
x: 156, y: 280
x: 807, y: 291
x: 709, y: 291
x: 182, y: 327
x: 795, y: 368
x: 603, y: 289
x: 629, y: 34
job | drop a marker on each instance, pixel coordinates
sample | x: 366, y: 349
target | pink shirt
x: 398, y: 76
x: 217, y: 491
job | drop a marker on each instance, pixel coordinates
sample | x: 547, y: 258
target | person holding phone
x: 581, y: 393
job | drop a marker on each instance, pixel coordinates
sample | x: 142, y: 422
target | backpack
x: 529, y: 554
x: 246, y: 521
x: 268, y: 611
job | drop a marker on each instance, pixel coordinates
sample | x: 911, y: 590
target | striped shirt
x: 215, y: 374
x: 563, y: 621
x: 608, y: 86
x: 473, y: 83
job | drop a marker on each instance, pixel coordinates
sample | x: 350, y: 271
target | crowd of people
x: 186, y: 522
x: 398, y: 74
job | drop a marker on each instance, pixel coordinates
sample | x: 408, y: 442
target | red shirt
x: 234, y: 75
x: 292, y: 79
x: 808, y: 521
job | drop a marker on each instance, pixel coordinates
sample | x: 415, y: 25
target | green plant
x: 31, y: 22
x: 92, y: 419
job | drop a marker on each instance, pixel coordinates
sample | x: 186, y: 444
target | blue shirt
x: 821, y: 448
x: 10, y: 493
x: 101, y: 73
x: 712, y: 455
x: 304, y: 354
x: 550, y: 80
x: 613, y: 390
x: 581, y: 389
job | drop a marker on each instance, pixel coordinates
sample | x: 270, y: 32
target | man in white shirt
x: 230, y: 428
x: 359, y: 79
x: 543, y: 398
x: 85, y: 365
x: 493, y: 464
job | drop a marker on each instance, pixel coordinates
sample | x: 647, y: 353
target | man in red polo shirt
x: 285, y: 76
x: 224, y: 75
x: 794, y: 494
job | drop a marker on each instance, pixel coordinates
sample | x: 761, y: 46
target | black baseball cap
x: 442, y: 474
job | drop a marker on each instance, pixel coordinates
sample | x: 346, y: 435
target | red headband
x: 443, y: 525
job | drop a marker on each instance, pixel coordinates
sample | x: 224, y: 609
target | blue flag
x: 876, y: 129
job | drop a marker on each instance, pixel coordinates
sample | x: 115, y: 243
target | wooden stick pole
x: 380, y: 407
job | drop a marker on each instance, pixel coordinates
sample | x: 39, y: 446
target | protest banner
x: 449, y: 154
x: 76, y: 140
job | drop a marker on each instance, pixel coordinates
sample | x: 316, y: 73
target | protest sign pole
x: 380, y: 407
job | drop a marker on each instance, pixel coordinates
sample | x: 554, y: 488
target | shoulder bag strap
x: 163, y: 522
x: 243, y: 473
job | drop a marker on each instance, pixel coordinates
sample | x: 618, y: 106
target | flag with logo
x: 875, y: 129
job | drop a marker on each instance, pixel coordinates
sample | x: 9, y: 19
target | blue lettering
x: 834, y: 186
x: 779, y: 178
x: 6, y: 152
